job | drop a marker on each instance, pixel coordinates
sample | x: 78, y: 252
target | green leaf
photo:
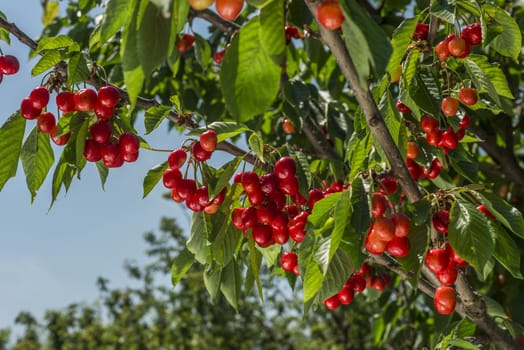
x: 202, y: 52
x: 360, y: 214
x: 227, y: 240
x: 63, y: 175
x: 270, y: 254
x: 231, y: 283
x: 46, y: 62
x: 11, y: 136
x: 339, y: 270
x: 508, y: 215
x: 224, y: 130
x: 37, y: 158
x: 253, y: 272
x: 154, y: 116
x: 272, y: 37
x: 309, y: 269
x: 80, y: 136
x: 181, y: 265
x: 198, y: 242
x: 55, y: 42
x: 303, y: 174
x: 152, y: 177
x: 323, y: 209
x: 358, y: 152
x: 103, y: 172
x: 152, y: 40
x: 4, y: 33
x: 400, y: 42
x: 225, y: 176
x: 509, y: 41
x: 462, y: 344
x: 134, y: 74
x: 118, y: 13
x: 77, y: 69
x: 418, y: 240
x: 367, y: 43
x: 212, y: 277
x: 470, y: 235
x: 506, y: 251
x: 256, y: 144
x: 245, y: 69
x: 444, y: 10
x: 488, y: 77
x: 51, y: 9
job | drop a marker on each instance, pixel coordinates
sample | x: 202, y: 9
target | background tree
x: 367, y: 100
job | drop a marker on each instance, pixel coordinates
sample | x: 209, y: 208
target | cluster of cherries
x: 459, y: 46
x: 226, y: 9
x: 185, y: 189
x: 357, y: 283
x: 9, y: 65
x: 387, y: 232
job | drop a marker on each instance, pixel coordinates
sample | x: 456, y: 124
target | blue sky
x: 51, y: 259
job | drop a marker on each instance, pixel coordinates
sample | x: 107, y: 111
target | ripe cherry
x: 314, y: 196
x: 249, y: 217
x: 292, y: 32
x: 402, y: 108
x: 185, y: 42
x: 329, y: 14
x: 384, y: 228
x: 208, y: 140
x: 440, y: 221
x: 434, y: 137
x: 199, y: 153
x: 111, y: 155
x: 288, y: 261
x: 46, y: 122
x: 434, y: 169
x: 421, y: 31
x: 108, y: 96
x: 128, y: 157
x: 378, y: 204
x: 177, y: 158
x: 457, y: 46
x: 236, y: 218
x: 332, y: 302
x: 472, y: 33
x: 464, y: 122
x: 218, y: 56
x: 402, y: 224
x: 449, y: 139
x: 281, y: 236
x: 428, y: 123
x: 129, y: 142
x: 103, y: 112
x: 445, y: 300
x: 92, y: 151
x: 482, y: 208
x: 398, y: 247
x: 59, y: 140
x: 449, y: 106
x: 101, y: 131
x: 454, y: 257
x: 268, y: 183
x: 255, y: 197
x: 448, y: 276
x: 285, y: 167
x: 9, y: 64
x: 389, y: 185
x: 171, y: 178
x: 186, y: 188
x: 468, y: 96
x: 85, y: 100
x: 289, y: 185
x: 202, y: 196
x: 415, y: 169
x: 437, y: 259
x: 262, y: 235
x: 250, y: 181
x: 345, y: 296
x: 65, y: 101
x: 288, y: 126
x: 442, y: 50
x: 28, y: 111
x: 297, y: 232
x: 39, y: 96
x: 229, y: 9
x: 412, y: 150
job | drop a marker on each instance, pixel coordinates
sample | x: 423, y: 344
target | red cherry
x: 358, y: 282
x: 111, y: 155
x: 186, y: 188
x: 199, y: 153
x: 262, y: 235
x: 389, y: 185
x: 434, y: 137
x: 28, y: 111
x: 175, y: 196
x: 329, y: 14
x: 65, y: 101
x: 219, y: 56
x: 457, y: 46
x: 297, y: 232
x: 468, y: 96
x: 268, y: 183
x: 345, y: 296
x: 185, y: 42
x: 398, y: 247
x: 449, y: 139
x: 402, y: 224
x: 208, y: 140
x: 378, y: 204
x: 278, y: 198
x: 101, y: 131
x: 454, y: 257
x: 292, y: 32
x: 437, y: 259
x: 39, y: 96
x: 482, y: 208
x: 202, y: 196
x: 445, y: 300
x: 229, y: 9
x: 59, y: 140
x: 129, y: 157
x: 46, y: 122
x: 129, y: 142
x: 378, y: 283
x: 464, y: 122
x: 288, y: 261
x: 289, y: 185
x: 177, y: 158
x: 236, y: 218
x: 332, y: 302
x: 265, y: 214
x: 9, y: 65
x: 249, y: 217
x: 442, y: 50
x: 193, y: 204
x: 219, y: 198
x: 428, y: 123
x: 103, y: 112
x: 384, y: 228
x: 414, y: 168
x: 440, y: 221
x: 421, y: 32
x: 108, y: 96
x: 314, y: 196
x: 402, y: 108
x: 279, y: 221
x: 85, y: 100
x: 171, y: 178
x: 285, y: 167
x: 92, y: 151
x: 250, y: 181
x: 374, y: 244
x: 256, y: 197
x: 281, y: 237
x: 472, y: 33
x: 288, y: 126
x: 448, y: 276
x: 434, y: 169
x: 412, y: 150
x: 449, y: 106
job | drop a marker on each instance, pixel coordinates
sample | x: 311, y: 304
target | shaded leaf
x: 152, y: 177
x: 11, y: 136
